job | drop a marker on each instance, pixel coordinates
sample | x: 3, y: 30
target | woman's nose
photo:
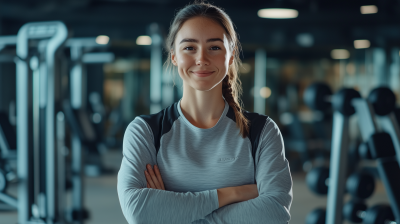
x: 202, y: 58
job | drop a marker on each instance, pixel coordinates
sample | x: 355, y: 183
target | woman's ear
x: 173, y: 58
x: 232, y: 58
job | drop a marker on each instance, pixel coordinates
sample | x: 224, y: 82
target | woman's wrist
x: 227, y: 195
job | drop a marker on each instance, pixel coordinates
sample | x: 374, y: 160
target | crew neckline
x: 226, y: 108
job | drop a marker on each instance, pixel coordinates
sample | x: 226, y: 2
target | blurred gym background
x: 107, y: 68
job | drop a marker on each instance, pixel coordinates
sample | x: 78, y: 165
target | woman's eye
x: 215, y: 48
x: 188, y: 48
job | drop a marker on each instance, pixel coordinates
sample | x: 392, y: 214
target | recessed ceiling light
x: 143, y: 40
x: 360, y: 44
x: 368, y: 9
x: 278, y: 13
x: 102, y: 39
x: 340, y: 54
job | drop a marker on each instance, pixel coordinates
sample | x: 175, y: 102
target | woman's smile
x: 202, y: 73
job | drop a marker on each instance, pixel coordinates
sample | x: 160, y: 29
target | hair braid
x: 231, y: 96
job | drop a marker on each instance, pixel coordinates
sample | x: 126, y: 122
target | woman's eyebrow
x: 196, y: 41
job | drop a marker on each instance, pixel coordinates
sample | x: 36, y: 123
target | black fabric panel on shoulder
x: 257, y: 123
x: 161, y: 122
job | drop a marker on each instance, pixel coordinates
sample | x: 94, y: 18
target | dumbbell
x: 357, y: 212
x: 359, y: 185
x: 382, y: 100
x: 318, y: 96
x: 316, y: 216
x: 318, y: 179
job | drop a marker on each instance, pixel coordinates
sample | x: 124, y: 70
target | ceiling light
x: 340, y: 54
x: 265, y: 92
x: 278, y: 13
x: 102, y: 39
x: 143, y: 40
x: 360, y: 44
x: 368, y: 9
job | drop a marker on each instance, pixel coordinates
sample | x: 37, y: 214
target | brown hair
x: 231, y: 85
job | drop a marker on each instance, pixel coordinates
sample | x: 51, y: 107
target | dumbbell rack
x: 383, y: 150
x: 347, y: 102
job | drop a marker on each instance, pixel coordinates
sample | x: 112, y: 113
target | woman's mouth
x: 202, y: 73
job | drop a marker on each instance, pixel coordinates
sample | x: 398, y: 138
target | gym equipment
x: 317, y: 216
x: 360, y: 185
x: 87, y: 136
x: 364, y: 151
x: 383, y: 101
x: 345, y: 103
x: 7, y: 153
x: 317, y: 180
x: 383, y: 145
x: 309, y: 138
x: 7, y: 139
x: 38, y: 203
x: 357, y: 212
x: 83, y: 134
x: 155, y: 69
x: 319, y: 97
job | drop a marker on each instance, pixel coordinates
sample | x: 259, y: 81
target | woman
x: 213, y: 162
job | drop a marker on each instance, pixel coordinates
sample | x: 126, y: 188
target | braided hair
x: 231, y: 85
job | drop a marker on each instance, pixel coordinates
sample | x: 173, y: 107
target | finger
x: 153, y: 177
x: 157, y: 170
x: 148, y: 186
x: 149, y: 180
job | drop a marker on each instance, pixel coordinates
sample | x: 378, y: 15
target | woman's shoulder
x: 155, y: 124
x: 257, y: 123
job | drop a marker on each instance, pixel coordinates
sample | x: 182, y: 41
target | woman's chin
x: 203, y: 86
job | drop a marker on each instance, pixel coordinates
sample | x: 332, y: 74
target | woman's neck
x: 202, y: 108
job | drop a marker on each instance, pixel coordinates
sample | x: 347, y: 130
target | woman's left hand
x: 153, y: 178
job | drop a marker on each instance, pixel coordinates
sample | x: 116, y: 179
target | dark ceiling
x: 331, y: 23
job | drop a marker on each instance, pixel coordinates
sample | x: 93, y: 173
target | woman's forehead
x: 200, y: 28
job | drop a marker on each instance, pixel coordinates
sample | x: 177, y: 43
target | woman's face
x: 202, y: 53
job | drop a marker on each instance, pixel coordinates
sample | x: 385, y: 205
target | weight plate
x: 317, y: 180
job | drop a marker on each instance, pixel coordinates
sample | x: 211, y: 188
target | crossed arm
x: 226, y: 195
x: 144, y: 201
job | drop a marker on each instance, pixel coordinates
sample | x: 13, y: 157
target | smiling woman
x: 213, y: 161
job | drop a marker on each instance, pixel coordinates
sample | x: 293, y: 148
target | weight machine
x: 40, y: 157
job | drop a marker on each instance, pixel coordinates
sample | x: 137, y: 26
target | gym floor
x: 102, y: 200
